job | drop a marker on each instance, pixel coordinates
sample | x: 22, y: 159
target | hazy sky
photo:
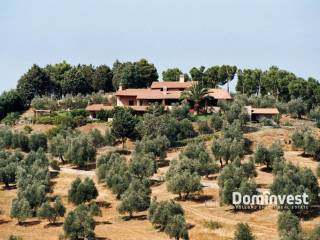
x: 169, y: 33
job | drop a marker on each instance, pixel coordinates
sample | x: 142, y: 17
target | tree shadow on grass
x: 10, y: 187
x: 266, y: 170
x: 310, y: 215
x: 163, y: 163
x: 57, y: 224
x: 4, y: 221
x: 103, y: 222
x: 201, y: 198
x: 29, y: 224
x: 103, y: 204
x: 135, y: 217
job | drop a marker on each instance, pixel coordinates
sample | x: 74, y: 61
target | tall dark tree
x: 35, y: 82
x: 102, y: 79
x: 171, y: 75
x: 75, y: 81
x: 10, y: 101
x: 197, y: 74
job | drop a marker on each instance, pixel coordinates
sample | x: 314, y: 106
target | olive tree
x: 81, y: 192
x: 52, y: 212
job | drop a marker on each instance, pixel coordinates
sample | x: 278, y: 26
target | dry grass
x: 112, y: 226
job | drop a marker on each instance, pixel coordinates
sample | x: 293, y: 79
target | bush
x: 109, y: 138
x: 96, y: 138
x: 11, y: 118
x: 204, y: 128
x: 296, y: 108
x: 27, y: 129
x: 54, y: 164
x: 79, y: 112
x: 82, y: 192
x: 103, y: 115
x: 243, y: 232
x: 213, y: 224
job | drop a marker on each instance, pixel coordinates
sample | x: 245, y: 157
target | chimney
x: 120, y: 87
x: 164, y: 89
x: 181, y: 78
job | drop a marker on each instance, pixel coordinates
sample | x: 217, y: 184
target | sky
x: 168, y: 33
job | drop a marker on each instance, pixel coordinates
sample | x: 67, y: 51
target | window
x: 131, y: 102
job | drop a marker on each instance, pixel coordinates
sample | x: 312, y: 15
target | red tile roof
x: 175, y: 85
x: 132, y: 92
x: 219, y: 93
x: 264, y: 111
x: 157, y: 94
x: 98, y: 107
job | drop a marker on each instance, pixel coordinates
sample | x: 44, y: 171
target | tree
x: 123, y: 125
x: 216, y: 122
x: 296, y: 108
x: 249, y: 82
x: 117, y: 175
x: 315, y: 234
x: 136, y: 198
x: 81, y: 192
x: 20, y: 209
x: 183, y: 183
x: 202, y: 163
x: 134, y: 75
x: 288, y: 224
x: 177, y: 228
x: 171, y: 75
x: 109, y: 138
x: 160, y: 213
x: 243, y: 232
x: 58, y: 147
x: 75, y: 82
x: 102, y: 79
x: 35, y: 82
x: 157, y: 146
x: 290, y: 179
x: 195, y: 95
x: 80, y: 151
x: 96, y: 138
x: 56, y: 74
x: 52, y: 212
x: 197, y: 74
x: 79, y: 224
x: 37, y: 141
x: 8, y: 167
x: 142, y: 165
x: 10, y: 101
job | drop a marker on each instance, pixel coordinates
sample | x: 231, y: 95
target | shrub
x: 243, y: 232
x: 109, y: 138
x: 11, y: 118
x: 82, y: 192
x: 204, y: 128
x: 213, y: 224
x: 79, y: 112
x: 96, y: 138
x: 54, y: 164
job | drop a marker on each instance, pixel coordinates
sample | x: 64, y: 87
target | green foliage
x: 20, y: 209
x: 180, y: 112
x: 177, y: 228
x: 288, y: 224
x: 10, y: 101
x: 157, y: 146
x: 109, y: 138
x: 156, y: 109
x: 104, y: 115
x: 58, y: 147
x: 268, y: 156
x: 293, y: 180
x: 37, y: 141
x: 303, y: 138
x: 81, y: 192
x: 102, y: 79
x: 216, y: 122
x: 117, y: 175
x: 79, y: 113
x: 11, y: 118
x: 243, y: 232
x: 204, y: 128
x: 134, y: 75
x: 142, y: 165
x: 123, y: 125
x: 77, y: 81
x: 315, y: 234
x: 52, y: 213
x: 79, y: 224
x: 96, y: 138
x: 13, y: 237
x: 171, y: 75
x: 8, y: 167
x: 35, y: 82
x: 196, y: 96
x: 296, y: 108
x: 213, y: 224
x: 167, y: 126
x: 136, y: 198
x: 80, y: 151
x: 236, y: 177
x: 44, y: 103
x: 183, y: 183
